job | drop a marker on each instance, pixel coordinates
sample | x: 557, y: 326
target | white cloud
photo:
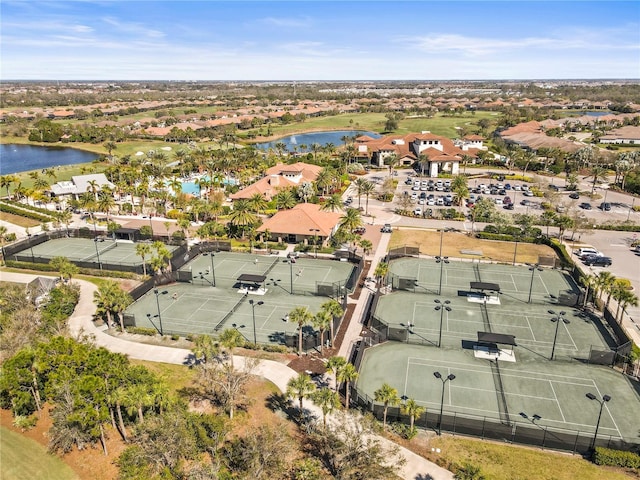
x: 302, y: 22
x: 132, y: 28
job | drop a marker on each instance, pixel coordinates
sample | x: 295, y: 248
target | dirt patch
x: 454, y: 243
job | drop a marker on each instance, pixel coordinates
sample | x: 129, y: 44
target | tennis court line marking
x: 526, y: 317
x: 514, y: 283
x: 461, y: 387
x: 557, y: 402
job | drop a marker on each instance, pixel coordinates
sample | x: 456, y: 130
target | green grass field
x: 23, y: 458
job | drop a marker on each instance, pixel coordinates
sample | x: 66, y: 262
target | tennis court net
x: 110, y: 246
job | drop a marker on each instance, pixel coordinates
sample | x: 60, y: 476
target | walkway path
x: 81, y: 323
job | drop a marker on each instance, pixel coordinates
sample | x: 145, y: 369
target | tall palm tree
x: 324, y: 180
x: 285, y: 199
x: 327, y: 400
x: 322, y: 322
x: 347, y: 374
x: 6, y: 181
x: 301, y: 387
x: 335, y: 310
x: 359, y: 184
x: 367, y: 189
x: 604, y: 281
x: 302, y: 316
x: 381, y: 271
x: 391, y: 161
x: 334, y: 364
x: 598, y: 174
x: 412, y: 409
x: 627, y: 298
x: 93, y: 187
x: 388, y: 396
x: 258, y: 203
x: 143, y: 250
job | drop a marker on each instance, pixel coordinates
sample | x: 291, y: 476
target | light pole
x: 442, y: 307
x: 157, y: 293
x: 515, y: 252
x: 31, y: 248
x: 533, y: 269
x: 449, y: 377
x: 441, y: 261
x: 557, y: 320
x: 633, y: 201
x: 95, y: 242
x: 253, y: 312
x: 605, y: 399
x: 290, y: 261
x: 213, y: 271
x: 315, y: 240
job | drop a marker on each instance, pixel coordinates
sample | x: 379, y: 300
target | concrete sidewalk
x: 81, y: 324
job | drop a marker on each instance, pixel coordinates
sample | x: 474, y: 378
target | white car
x: 528, y: 193
x: 417, y: 211
x: 498, y: 201
x: 414, y: 196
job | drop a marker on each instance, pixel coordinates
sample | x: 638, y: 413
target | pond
x: 302, y: 142
x: 23, y: 158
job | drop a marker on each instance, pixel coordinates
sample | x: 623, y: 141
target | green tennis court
x: 515, y: 281
x: 554, y: 391
x: 211, y: 301
x: 87, y: 250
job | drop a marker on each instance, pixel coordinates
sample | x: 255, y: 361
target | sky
x: 318, y: 40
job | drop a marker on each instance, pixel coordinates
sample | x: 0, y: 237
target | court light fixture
x: 213, y: 270
x: 253, y: 312
x: 441, y: 261
x: 441, y: 307
x: 560, y: 318
x: 448, y: 378
x: 605, y: 399
x: 533, y: 268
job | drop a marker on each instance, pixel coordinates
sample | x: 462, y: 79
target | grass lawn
x: 453, y: 243
x: 176, y: 376
x: 22, y: 458
x: 510, y: 462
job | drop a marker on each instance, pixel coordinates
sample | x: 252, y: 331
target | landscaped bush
x: 142, y: 331
x: 403, y: 430
x: 619, y: 227
x: 616, y: 458
x: 26, y: 206
x: 25, y: 213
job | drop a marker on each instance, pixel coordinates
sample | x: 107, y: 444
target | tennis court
x: 554, y: 391
x: 211, y: 301
x: 416, y: 317
x: 520, y: 282
x: 86, y: 250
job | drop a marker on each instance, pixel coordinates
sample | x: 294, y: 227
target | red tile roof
x: 301, y: 219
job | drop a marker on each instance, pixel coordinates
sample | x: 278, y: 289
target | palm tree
x: 332, y: 204
x: 335, y: 310
x: 387, y: 395
x: 367, y: 189
x: 412, y: 409
x: 359, y: 184
x: 230, y: 339
x: 258, y: 203
x: 597, y: 173
x: 351, y: 220
x: 322, y: 321
x: 143, y: 250
x: 334, y: 364
x: 381, y: 271
x: 105, y: 298
x: 327, y: 400
x: 302, y: 316
x: 6, y: 181
x: 300, y: 387
x: 324, y: 179
x: 627, y: 298
x: 93, y: 187
x: 241, y: 216
x: 347, y: 374
x: 285, y: 199
x: 604, y: 281
x: 205, y: 348
x: 548, y: 218
x: 391, y: 161
x: 366, y: 245
x: 110, y: 146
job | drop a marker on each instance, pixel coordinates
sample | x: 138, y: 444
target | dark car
x: 508, y: 206
x: 605, y: 206
x: 360, y: 231
x: 585, y: 206
x: 597, y: 261
x: 574, y: 195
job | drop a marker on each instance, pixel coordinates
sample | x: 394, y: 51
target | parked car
x: 417, y: 211
x: 561, y: 208
x: 605, y: 206
x: 360, y: 231
x: 574, y: 195
x: 598, y: 261
x: 585, y: 251
x: 585, y: 206
x: 507, y: 200
x: 509, y: 206
x: 528, y: 193
x: 386, y: 228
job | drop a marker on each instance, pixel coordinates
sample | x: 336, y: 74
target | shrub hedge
x: 24, y: 213
x: 619, y: 228
x: 142, y: 331
x: 45, y: 267
x: 616, y: 458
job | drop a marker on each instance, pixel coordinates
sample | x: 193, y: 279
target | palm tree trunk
x: 121, y: 428
x: 140, y: 416
x: 346, y: 395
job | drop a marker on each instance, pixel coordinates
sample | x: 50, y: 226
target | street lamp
x: 290, y: 261
x: 533, y: 269
x: 213, y: 271
x: 605, y: 399
x: 31, y: 248
x: 315, y: 240
x: 449, y: 377
x: 253, y: 312
x: 441, y: 261
x: 157, y: 293
x: 95, y: 242
x: 442, y: 307
x: 557, y: 320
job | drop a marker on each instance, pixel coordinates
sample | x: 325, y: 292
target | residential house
x: 279, y: 177
x: 80, y: 184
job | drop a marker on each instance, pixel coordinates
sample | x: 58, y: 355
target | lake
x: 293, y: 142
x: 23, y: 158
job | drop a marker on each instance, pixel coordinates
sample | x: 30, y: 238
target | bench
x: 471, y: 252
